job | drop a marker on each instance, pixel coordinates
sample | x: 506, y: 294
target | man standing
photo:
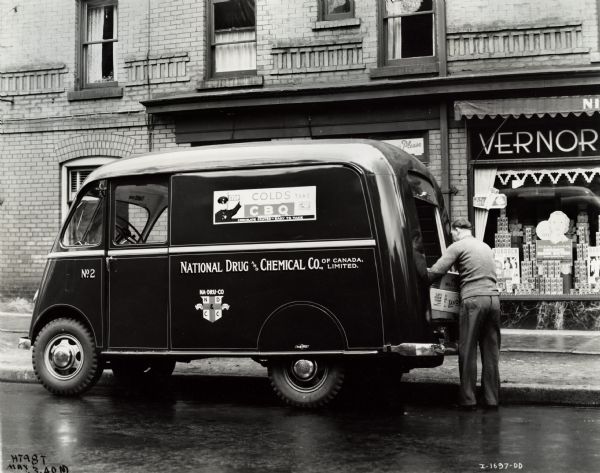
x: 479, y: 320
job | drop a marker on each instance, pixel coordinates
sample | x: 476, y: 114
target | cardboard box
x: 444, y: 304
x: 445, y: 297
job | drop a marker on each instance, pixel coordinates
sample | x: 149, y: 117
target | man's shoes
x: 465, y: 407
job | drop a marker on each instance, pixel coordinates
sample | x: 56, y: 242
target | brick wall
x: 38, y: 69
x: 486, y: 34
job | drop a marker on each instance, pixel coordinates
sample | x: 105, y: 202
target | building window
x: 76, y: 177
x: 73, y: 174
x: 233, y: 41
x: 409, y: 29
x: 98, y: 42
x: 331, y: 10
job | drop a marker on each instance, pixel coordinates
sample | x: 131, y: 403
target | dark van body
x: 301, y: 255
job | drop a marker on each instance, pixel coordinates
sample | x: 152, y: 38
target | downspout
x: 447, y: 190
x: 149, y: 116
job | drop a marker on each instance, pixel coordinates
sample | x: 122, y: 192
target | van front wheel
x: 306, y: 382
x: 65, y: 359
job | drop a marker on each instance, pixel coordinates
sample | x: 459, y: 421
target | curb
x: 410, y: 390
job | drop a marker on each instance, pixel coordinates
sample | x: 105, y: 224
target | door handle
x: 109, y: 263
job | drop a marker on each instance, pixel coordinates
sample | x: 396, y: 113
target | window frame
x: 66, y: 223
x: 210, y: 51
x: 323, y: 16
x: 133, y: 180
x: 412, y: 65
x: 84, y: 43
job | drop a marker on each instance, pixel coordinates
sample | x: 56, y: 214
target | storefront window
x: 546, y: 239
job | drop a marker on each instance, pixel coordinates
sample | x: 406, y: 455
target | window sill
x: 230, y: 82
x: 332, y: 24
x: 95, y: 93
x: 410, y: 69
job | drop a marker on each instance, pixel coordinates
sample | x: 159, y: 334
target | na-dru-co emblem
x: 212, y: 306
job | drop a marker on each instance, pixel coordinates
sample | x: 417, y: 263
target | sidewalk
x: 536, y: 367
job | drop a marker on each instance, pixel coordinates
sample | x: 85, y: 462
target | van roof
x: 373, y: 157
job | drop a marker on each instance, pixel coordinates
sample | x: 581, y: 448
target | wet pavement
x: 230, y: 425
x: 536, y: 367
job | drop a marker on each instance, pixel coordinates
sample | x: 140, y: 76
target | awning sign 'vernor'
x: 528, y: 107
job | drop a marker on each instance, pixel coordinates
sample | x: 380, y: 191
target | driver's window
x: 140, y: 212
x: 85, y: 225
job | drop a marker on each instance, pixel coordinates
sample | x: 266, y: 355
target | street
x: 218, y: 424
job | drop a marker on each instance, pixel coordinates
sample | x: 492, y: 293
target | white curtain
x: 394, y: 38
x: 240, y: 56
x: 484, y: 180
x: 95, y: 29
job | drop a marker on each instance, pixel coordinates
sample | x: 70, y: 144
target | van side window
x: 85, y: 225
x: 140, y: 212
x: 277, y: 205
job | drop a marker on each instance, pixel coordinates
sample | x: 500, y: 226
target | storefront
x: 534, y: 171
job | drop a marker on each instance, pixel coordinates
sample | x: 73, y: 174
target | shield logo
x: 212, y: 307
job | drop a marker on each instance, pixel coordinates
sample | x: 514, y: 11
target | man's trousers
x: 479, y: 323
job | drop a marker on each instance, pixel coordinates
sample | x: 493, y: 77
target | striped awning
x: 528, y: 107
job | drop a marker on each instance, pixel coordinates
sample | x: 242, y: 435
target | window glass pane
x: 403, y: 7
x: 417, y: 36
x: 99, y: 57
x: 85, y: 226
x: 235, y: 51
x: 333, y: 7
x: 547, y: 239
x: 409, y: 27
x: 138, y: 214
x: 159, y: 231
x: 234, y: 36
x: 234, y: 14
x: 430, y: 238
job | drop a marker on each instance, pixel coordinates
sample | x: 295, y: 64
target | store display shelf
x: 549, y: 297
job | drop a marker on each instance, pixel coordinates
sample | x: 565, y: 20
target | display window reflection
x: 546, y: 240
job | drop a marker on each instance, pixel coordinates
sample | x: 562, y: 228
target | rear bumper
x: 425, y: 349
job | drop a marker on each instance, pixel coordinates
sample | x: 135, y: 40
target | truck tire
x: 142, y: 370
x: 306, y: 382
x: 65, y: 359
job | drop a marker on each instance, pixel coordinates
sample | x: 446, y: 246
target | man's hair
x: 462, y: 223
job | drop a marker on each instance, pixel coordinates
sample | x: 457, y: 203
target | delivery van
x: 306, y: 256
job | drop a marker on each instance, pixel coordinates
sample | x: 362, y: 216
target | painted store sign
x: 537, y: 139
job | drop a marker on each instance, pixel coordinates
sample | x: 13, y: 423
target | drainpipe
x: 149, y: 117
x: 447, y: 190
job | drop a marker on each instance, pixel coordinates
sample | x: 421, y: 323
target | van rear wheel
x: 144, y: 370
x: 65, y: 359
x: 306, y: 382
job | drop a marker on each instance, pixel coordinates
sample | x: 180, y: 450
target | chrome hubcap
x: 64, y: 357
x: 304, y: 369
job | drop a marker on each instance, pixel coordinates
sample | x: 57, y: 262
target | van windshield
x: 85, y: 225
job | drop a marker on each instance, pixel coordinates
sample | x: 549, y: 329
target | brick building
x: 469, y: 86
